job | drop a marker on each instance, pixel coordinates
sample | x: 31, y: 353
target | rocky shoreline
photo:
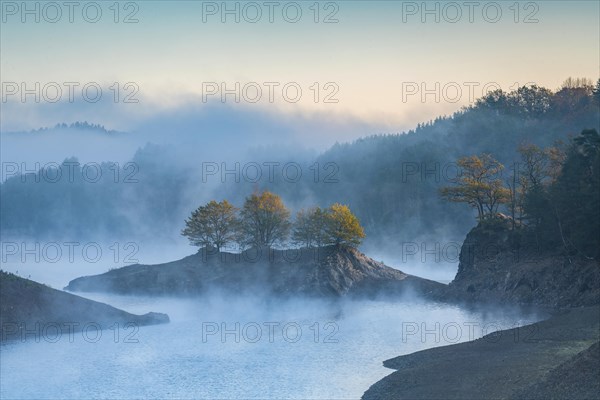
x: 555, y: 358
x: 558, y: 358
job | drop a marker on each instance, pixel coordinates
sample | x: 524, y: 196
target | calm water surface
x: 219, y: 347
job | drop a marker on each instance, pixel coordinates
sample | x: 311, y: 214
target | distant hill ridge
x: 74, y: 125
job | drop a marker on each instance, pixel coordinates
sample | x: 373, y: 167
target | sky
x: 387, y: 64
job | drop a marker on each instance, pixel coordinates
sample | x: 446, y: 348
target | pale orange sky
x: 370, y: 57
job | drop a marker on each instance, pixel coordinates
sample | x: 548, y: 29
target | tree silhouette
x: 265, y: 220
x: 214, y: 224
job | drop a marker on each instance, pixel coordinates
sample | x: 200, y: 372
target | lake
x: 221, y: 347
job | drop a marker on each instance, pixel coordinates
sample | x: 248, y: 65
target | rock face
x: 329, y: 271
x: 498, y: 264
x: 27, y: 307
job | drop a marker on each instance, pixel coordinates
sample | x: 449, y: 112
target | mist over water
x: 130, y: 129
x: 220, y: 347
x: 440, y: 270
x: 56, y: 262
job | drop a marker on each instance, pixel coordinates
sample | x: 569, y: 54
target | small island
x: 324, y: 261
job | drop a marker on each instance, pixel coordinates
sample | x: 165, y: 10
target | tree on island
x: 212, y: 225
x: 336, y: 225
x: 265, y: 220
x: 342, y: 227
x: 479, y: 185
x: 310, y: 227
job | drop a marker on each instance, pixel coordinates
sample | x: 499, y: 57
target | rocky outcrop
x: 28, y: 308
x: 499, y: 264
x: 325, y: 272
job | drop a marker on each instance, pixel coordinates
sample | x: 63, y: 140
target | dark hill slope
x: 24, y: 303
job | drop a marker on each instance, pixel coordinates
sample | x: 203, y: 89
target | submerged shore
x: 557, y: 358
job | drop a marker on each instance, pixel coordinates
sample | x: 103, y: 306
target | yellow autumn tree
x: 342, y: 227
x: 479, y: 185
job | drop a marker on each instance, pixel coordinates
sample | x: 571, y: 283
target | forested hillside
x: 391, y: 181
